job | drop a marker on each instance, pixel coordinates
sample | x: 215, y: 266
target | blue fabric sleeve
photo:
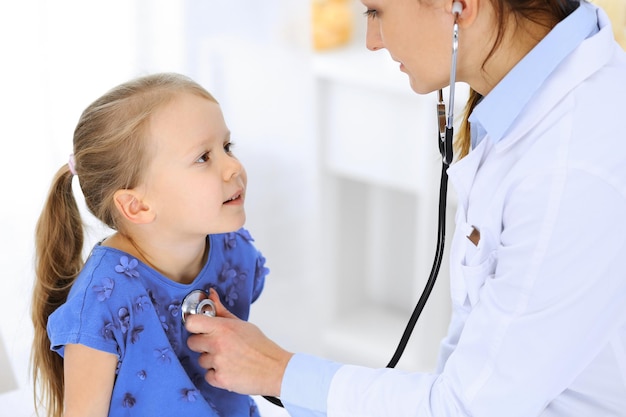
x: 261, y: 272
x: 305, y: 386
x: 80, y: 321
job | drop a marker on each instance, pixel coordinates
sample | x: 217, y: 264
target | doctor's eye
x: 370, y: 13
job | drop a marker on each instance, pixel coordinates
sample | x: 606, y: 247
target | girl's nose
x: 233, y: 168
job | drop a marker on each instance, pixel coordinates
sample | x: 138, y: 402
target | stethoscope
x: 198, y: 302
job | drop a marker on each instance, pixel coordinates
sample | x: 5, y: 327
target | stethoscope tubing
x: 434, y: 272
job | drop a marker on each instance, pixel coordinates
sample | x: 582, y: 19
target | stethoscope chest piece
x: 197, y: 302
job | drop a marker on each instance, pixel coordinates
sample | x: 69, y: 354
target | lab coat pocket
x: 479, y: 264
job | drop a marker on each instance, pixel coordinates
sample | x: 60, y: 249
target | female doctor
x: 538, y: 280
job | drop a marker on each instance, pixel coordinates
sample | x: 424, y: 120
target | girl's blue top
x: 122, y: 306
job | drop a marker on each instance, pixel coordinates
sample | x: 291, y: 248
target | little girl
x: 154, y: 161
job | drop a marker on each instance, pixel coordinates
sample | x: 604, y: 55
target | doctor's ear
x: 467, y: 10
x: 132, y: 208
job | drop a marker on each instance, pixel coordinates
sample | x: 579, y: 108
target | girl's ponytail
x: 58, y: 259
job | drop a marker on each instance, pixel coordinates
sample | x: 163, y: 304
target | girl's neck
x: 180, y: 265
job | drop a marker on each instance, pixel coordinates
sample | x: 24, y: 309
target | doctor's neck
x: 491, y: 48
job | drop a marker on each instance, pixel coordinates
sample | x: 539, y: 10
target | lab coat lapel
x: 463, y: 172
x: 462, y: 175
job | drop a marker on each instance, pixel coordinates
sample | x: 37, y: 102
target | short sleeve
x: 85, y: 320
x: 261, y: 272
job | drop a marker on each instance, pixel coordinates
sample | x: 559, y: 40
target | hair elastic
x: 71, y: 163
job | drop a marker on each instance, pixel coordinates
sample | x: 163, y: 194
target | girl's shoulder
x: 238, y: 246
x: 240, y: 240
x: 233, y: 245
x: 106, y: 266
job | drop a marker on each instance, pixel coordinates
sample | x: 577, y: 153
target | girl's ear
x: 132, y: 207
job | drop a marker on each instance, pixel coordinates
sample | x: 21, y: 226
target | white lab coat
x: 549, y: 200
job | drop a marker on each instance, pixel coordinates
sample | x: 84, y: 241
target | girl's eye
x: 370, y: 13
x: 204, y: 157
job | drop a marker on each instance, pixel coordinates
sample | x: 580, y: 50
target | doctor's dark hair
x: 110, y: 154
x: 546, y: 13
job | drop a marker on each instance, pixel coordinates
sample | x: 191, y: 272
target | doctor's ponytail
x: 462, y: 142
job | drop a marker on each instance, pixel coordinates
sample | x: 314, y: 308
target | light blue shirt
x: 307, y: 379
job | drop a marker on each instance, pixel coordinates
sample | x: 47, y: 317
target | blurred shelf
x: 357, y: 65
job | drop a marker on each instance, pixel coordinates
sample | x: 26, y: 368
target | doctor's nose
x: 373, y: 40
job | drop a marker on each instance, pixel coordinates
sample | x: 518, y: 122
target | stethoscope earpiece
x: 457, y: 8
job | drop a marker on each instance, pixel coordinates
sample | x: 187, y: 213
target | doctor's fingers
x: 218, y: 335
x: 214, y: 374
x: 200, y: 341
x: 231, y: 361
x: 247, y: 371
x: 198, y: 323
x: 207, y: 333
x: 219, y: 376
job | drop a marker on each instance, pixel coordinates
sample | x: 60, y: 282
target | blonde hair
x: 110, y: 154
x: 543, y: 12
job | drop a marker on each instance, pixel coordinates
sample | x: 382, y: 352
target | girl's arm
x: 89, y: 377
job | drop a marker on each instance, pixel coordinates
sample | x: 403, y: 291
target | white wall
x: 56, y: 57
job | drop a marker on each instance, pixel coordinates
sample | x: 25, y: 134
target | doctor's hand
x: 237, y: 355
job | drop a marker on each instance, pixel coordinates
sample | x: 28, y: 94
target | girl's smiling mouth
x: 237, y: 197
